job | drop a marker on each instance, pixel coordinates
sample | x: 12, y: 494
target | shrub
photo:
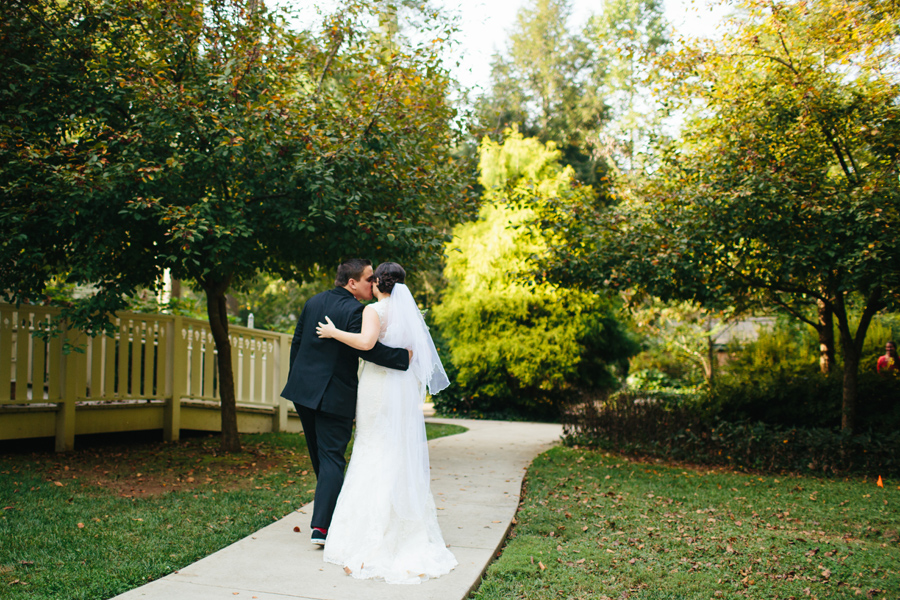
x: 681, y: 428
x: 520, y: 348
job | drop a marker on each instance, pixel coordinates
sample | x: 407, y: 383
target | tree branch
x: 337, y: 39
x: 793, y: 311
x: 873, y: 305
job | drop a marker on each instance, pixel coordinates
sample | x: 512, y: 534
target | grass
x: 597, y: 525
x: 110, y: 517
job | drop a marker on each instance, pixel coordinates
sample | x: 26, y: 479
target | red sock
x: 322, y: 529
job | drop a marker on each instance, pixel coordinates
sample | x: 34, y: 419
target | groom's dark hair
x: 351, y: 269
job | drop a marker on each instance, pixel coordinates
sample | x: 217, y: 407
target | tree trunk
x: 825, y: 329
x: 218, y: 323
x: 710, y: 353
x: 848, y: 407
x: 851, y: 351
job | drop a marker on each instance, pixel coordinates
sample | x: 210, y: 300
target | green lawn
x: 102, y: 520
x: 597, y: 525
x: 106, y: 519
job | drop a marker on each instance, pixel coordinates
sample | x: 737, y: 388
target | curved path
x: 476, y: 480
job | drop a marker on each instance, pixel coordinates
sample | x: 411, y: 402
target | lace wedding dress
x: 385, y: 522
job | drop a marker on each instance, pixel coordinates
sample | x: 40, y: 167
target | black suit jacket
x: 323, y: 372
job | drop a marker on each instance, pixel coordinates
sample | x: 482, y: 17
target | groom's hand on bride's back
x: 410, y: 354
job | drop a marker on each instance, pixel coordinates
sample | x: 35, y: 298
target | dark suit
x: 322, y: 384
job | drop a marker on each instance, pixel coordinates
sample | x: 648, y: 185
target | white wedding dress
x: 385, y: 522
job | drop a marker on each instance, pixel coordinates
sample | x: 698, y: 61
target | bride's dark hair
x: 387, y: 275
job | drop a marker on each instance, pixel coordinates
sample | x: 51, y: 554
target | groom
x: 322, y: 381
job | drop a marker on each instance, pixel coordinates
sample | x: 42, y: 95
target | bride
x: 385, y: 522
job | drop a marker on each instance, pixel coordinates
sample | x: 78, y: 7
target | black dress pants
x: 327, y: 436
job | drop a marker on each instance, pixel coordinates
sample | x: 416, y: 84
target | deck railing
x: 150, y: 358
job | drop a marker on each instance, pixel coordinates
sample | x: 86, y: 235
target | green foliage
x: 276, y: 303
x: 679, y: 332
x: 686, y: 429
x: 775, y: 379
x: 783, y: 191
x: 215, y: 144
x: 546, y: 85
x: 215, y: 141
x: 629, y: 35
x: 515, y: 346
x: 788, y: 345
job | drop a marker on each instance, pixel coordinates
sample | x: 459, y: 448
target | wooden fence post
x: 74, y: 365
x: 282, y: 356
x: 178, y: 367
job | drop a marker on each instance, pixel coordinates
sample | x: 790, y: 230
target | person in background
x: 889, y: 364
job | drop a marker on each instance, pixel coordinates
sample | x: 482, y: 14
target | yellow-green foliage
x: 517, y: 345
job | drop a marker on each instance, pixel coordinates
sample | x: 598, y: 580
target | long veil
x: 405, y: 328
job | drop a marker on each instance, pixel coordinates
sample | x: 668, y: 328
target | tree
x: 519, y: 347
x: 784, y: 189
x: 630, y: 35
x: 275, y: 303
x: 216, y: 142
x: 682, y: 329
x: 546, y: 85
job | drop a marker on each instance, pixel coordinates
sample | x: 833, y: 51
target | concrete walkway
x: 476, y: 481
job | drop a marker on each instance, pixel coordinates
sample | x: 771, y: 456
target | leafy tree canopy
x: 216, y: 141
x: 546, y: 85
x: 784, y: 189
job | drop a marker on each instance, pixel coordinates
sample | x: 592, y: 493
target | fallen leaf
x: 296, y: 529
x: 541, y: 565
x: 81, y: 526
x: 58, y: 483
x: 347, y: 570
